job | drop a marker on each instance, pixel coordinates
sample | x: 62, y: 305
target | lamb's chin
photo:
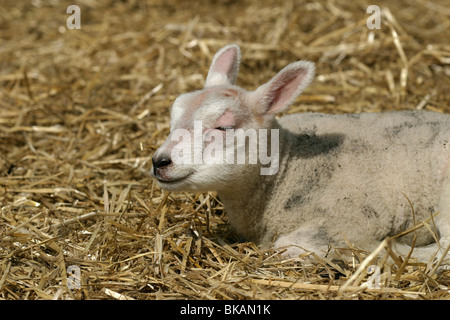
x: 189, y: 183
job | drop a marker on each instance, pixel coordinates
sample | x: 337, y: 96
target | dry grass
x: 76, y: 105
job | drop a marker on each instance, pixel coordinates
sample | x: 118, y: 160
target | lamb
x: 334, y: 179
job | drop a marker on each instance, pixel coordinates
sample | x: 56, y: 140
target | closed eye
x: 224, y: 128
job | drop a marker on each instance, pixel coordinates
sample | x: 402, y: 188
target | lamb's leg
x: 305, y: 239
x: 316, y: 239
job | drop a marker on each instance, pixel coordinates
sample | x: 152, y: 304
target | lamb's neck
x: 248, y: 198
x: 245, y: 204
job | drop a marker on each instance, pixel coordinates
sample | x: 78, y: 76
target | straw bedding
x: 82, y: 111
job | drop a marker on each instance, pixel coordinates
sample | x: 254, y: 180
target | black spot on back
x: 369, y: 212
x: 294, y: 201
x: 308, y: 146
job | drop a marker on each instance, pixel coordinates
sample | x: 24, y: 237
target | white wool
x: 353, y: 177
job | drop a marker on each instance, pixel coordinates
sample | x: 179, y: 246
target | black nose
x: 160, y: 162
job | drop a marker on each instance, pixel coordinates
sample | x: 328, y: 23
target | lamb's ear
x: 224, y: 67
x: 278, y: 94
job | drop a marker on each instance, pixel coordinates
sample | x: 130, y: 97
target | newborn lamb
x: 311, y: 181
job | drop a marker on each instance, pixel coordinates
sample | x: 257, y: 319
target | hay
x: 81, y: 112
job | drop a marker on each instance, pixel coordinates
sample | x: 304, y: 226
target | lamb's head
x: 220, y: 134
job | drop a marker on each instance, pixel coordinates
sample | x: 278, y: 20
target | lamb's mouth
x: 173, y: 181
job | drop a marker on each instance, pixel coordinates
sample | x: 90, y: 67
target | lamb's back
x: 363, y: 169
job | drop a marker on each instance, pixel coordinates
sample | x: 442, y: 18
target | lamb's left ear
x: 280, y: 92
x: 224, y: 67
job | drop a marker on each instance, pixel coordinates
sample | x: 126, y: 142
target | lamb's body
x: 347, y: 176
x: 357, y: 177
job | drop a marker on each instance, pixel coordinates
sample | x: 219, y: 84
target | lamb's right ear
x: 276, y: 95
x: 224, y: 67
